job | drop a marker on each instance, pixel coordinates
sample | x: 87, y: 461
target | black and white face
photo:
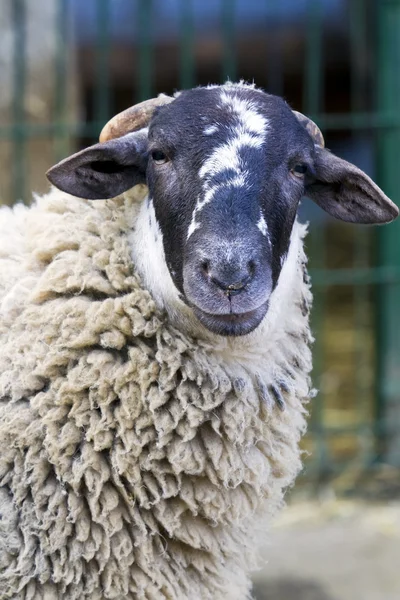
x: 226, y: 173
x: 226, y: 167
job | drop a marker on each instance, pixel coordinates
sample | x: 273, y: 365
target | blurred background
x: 66, y: 66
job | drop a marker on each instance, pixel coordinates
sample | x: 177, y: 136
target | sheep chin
x: 233, y: 324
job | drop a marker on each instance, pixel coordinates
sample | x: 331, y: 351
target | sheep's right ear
x: 347, y: 193
x: 103, y: 170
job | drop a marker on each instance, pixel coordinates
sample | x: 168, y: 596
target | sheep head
x: 226, y: 167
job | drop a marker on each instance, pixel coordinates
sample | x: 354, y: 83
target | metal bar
x: 274, y: 61
x: 356, y: 276
x: 312, y: 101
x: 60, y: 81
x: 102, y: 92
x: 186, y: 34
x: 364, y: 120
x: 358, y: 52
x: 363, y: 397
x: 388, y: 315
x: 331, y: 122
x: 43, y: 130
x: 313, y: 83
x: 359, y: 428
x: 19, y: 167
x: 228, y: 40
x: 333, y: 470
x: 145, y: 43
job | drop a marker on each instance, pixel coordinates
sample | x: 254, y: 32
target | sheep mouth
x: 232, y: 324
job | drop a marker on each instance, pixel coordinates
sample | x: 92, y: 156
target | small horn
x: 311, y: 127
x: 133, y: 118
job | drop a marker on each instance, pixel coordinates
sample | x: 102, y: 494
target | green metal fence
x: 355, y: 420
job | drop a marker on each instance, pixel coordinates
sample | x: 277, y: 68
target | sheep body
x: 138, y: 461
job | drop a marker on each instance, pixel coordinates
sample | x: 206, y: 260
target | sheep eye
x: 159, y: 157
x: 299, y: 170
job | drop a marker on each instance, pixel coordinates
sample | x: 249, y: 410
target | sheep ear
x: 103, y: 170
x: 345, y: 192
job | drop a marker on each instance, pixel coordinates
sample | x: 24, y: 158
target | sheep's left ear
x: 345, y: 192
x: 103, y: 170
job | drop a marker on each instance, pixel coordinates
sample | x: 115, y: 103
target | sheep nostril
x: 231, y: 289
x: 251, y: 266
x: 205, y: 267
x: 229, y: 277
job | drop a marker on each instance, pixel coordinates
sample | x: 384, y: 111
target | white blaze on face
x: 211, y: 129
x: 262, y: 225
x: 248, y: 130
x: 238, y: 181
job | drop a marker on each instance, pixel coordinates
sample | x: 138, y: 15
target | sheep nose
x: 230, y: 278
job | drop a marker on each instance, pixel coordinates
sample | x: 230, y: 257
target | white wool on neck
x: 121, y: 422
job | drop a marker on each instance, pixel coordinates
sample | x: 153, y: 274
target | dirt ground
x: 336, y: 550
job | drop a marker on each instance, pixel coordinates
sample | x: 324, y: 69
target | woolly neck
x: 121, y: 427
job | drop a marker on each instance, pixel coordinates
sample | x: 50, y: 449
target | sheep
x: 155, y: 348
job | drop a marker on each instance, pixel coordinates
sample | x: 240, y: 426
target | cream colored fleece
x: 136, y: 461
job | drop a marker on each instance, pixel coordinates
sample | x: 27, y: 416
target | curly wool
x: 137, y: 461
